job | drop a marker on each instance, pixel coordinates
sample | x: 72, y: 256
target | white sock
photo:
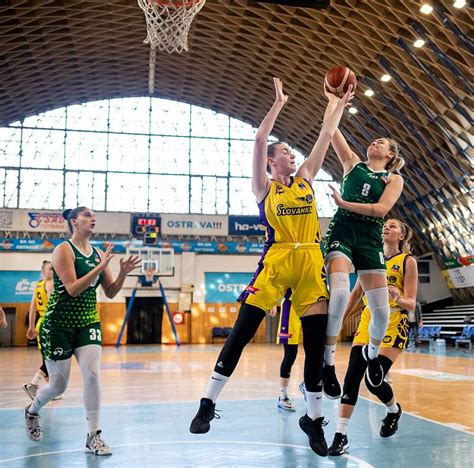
x: 342, y: 425
x: 284, y: 393
x: 215, y: 385
x: 373, y: 350
x: 37, y: 378
x: 329, y: 354
x: 314, y: 402
x: 393, y: 408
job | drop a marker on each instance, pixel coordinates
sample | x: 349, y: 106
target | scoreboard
x: 145, y: 226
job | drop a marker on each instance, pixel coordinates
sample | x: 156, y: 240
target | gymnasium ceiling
x: 56, y: 53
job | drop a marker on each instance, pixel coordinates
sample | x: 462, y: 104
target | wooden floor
x: 436, y: 387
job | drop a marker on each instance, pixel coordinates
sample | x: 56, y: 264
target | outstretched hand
x: 336, y: 196
x: 128, y: 265
x: 280, y: 97
x: 107, y: 256
x: 346, y: 100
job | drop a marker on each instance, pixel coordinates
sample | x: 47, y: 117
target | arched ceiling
x: 56, y: 53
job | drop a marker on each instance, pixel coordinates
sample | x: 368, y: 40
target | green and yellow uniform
x: 396, y: 335
x: 71, y: 322
x: 359, y: 237
x: 41, y: 301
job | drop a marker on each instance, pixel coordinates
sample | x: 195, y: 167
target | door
x: 6, y: 334
x: 144, y: 324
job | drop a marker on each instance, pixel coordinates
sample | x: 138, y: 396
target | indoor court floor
x: 151, y: 393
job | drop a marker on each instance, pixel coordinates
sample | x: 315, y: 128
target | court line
x: 447, y: 425
x: 361, y: 463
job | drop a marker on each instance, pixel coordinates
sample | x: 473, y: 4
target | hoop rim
x: 177, y: 4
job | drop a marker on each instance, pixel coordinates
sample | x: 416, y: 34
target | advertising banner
x: 462, y: 277
x: 225, y: 287
x: 17, y: 286
x: 204, y: 225
x: 246, y: 226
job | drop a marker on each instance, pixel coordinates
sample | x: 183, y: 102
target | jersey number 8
x: 365, y: 189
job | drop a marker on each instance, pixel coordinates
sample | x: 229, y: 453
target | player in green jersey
x: 354, y: 238
x: 71, y: 323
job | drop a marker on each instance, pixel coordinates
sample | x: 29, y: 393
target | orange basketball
x: 338, y: 79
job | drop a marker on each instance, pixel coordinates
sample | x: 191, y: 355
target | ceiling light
x: 419, y: 43
x: 426, y: 8
x: 369, y: 93
x: 353, y: 110
x: 459, y: 3
x: 386, y: 78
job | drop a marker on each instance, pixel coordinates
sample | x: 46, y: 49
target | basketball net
x: 168, y: 23
x: 149, y: 274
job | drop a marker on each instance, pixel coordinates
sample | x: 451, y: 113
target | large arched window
x: 133, y: 154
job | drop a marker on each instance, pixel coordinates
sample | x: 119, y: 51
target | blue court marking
x: 249, y: 433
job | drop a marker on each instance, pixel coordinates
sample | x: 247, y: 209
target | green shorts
x: 360, y: 241
x: 58, y: 343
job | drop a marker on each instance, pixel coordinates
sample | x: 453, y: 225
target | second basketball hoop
x: 168, y: 23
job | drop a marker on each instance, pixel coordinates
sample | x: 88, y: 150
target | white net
x: 168, y: 23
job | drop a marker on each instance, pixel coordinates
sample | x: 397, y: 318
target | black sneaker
x: 390, y: 423
x: 315, y: 433
x: 339, y: 445
x: 206, y: 413
x: 374, y: 371
x: 331, y: 387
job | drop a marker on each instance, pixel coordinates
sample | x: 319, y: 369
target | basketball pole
x: 168, y: 312
x: 127, y: 316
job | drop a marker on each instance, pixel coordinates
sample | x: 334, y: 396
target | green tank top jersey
x: 80, y: 311
x: 362, y: 185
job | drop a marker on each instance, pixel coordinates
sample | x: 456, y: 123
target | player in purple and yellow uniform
x: 291, y: 258
x: 402, y: 278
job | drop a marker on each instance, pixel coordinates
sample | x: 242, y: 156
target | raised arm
x: 63, y: 264
x: 110, y: 286
x: 260, y: 181
x: 389, y: 197
x: 407, y: 300
x: 332, y: 117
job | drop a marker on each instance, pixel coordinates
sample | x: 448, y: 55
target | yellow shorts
x: 396, y: 335
x: 37, y: 329
x: 299, y: 267
x: 289, y: 326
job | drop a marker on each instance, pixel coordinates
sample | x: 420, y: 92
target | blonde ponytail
x: 397, y: 162
x: 404, y: 245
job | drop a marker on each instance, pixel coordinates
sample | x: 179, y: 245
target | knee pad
x: 377, y: 301
x: 339, y: 288
x: 383, y: 392
x: 314, y: 336
x: 354, y: 374
x: 289, y: 358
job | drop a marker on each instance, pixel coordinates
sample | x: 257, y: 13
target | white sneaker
x: 31, y: 390
x: 286, y: 404
x: 32, y: 426
x: 96, y: 445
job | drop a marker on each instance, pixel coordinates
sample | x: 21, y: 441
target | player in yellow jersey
x: 402, y: 278
x: 291, y: 258
x: 43, y: 290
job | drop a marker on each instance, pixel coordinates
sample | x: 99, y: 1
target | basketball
x: 338, y: 79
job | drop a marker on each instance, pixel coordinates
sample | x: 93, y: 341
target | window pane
x: 207, y: 123
x: 128, y: 153
x: 169, y: 117
x: 129, y: 115
x: 86, y: 151
x: 43, y: 148
x: 241, y: 153
x: 88, y: 116
x: 209, y: 157
x: 209, y: 195
x: 169, y: 194
x: 127, y: 192
x: 10, y: 146
x: 41, y: 189
x: 169, y: 155
x: 242, y: 130
x: 85, y: 189
x: 8, y: 188
x: 242, y: 199
x: 51, y: 119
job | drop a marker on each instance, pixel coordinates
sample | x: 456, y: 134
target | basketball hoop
x: 149, y: 274
x: 168, y: 23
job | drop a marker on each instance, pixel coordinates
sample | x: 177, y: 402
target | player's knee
x: 355, y: 372
x: 377, y: 301
x: 289, y: 358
